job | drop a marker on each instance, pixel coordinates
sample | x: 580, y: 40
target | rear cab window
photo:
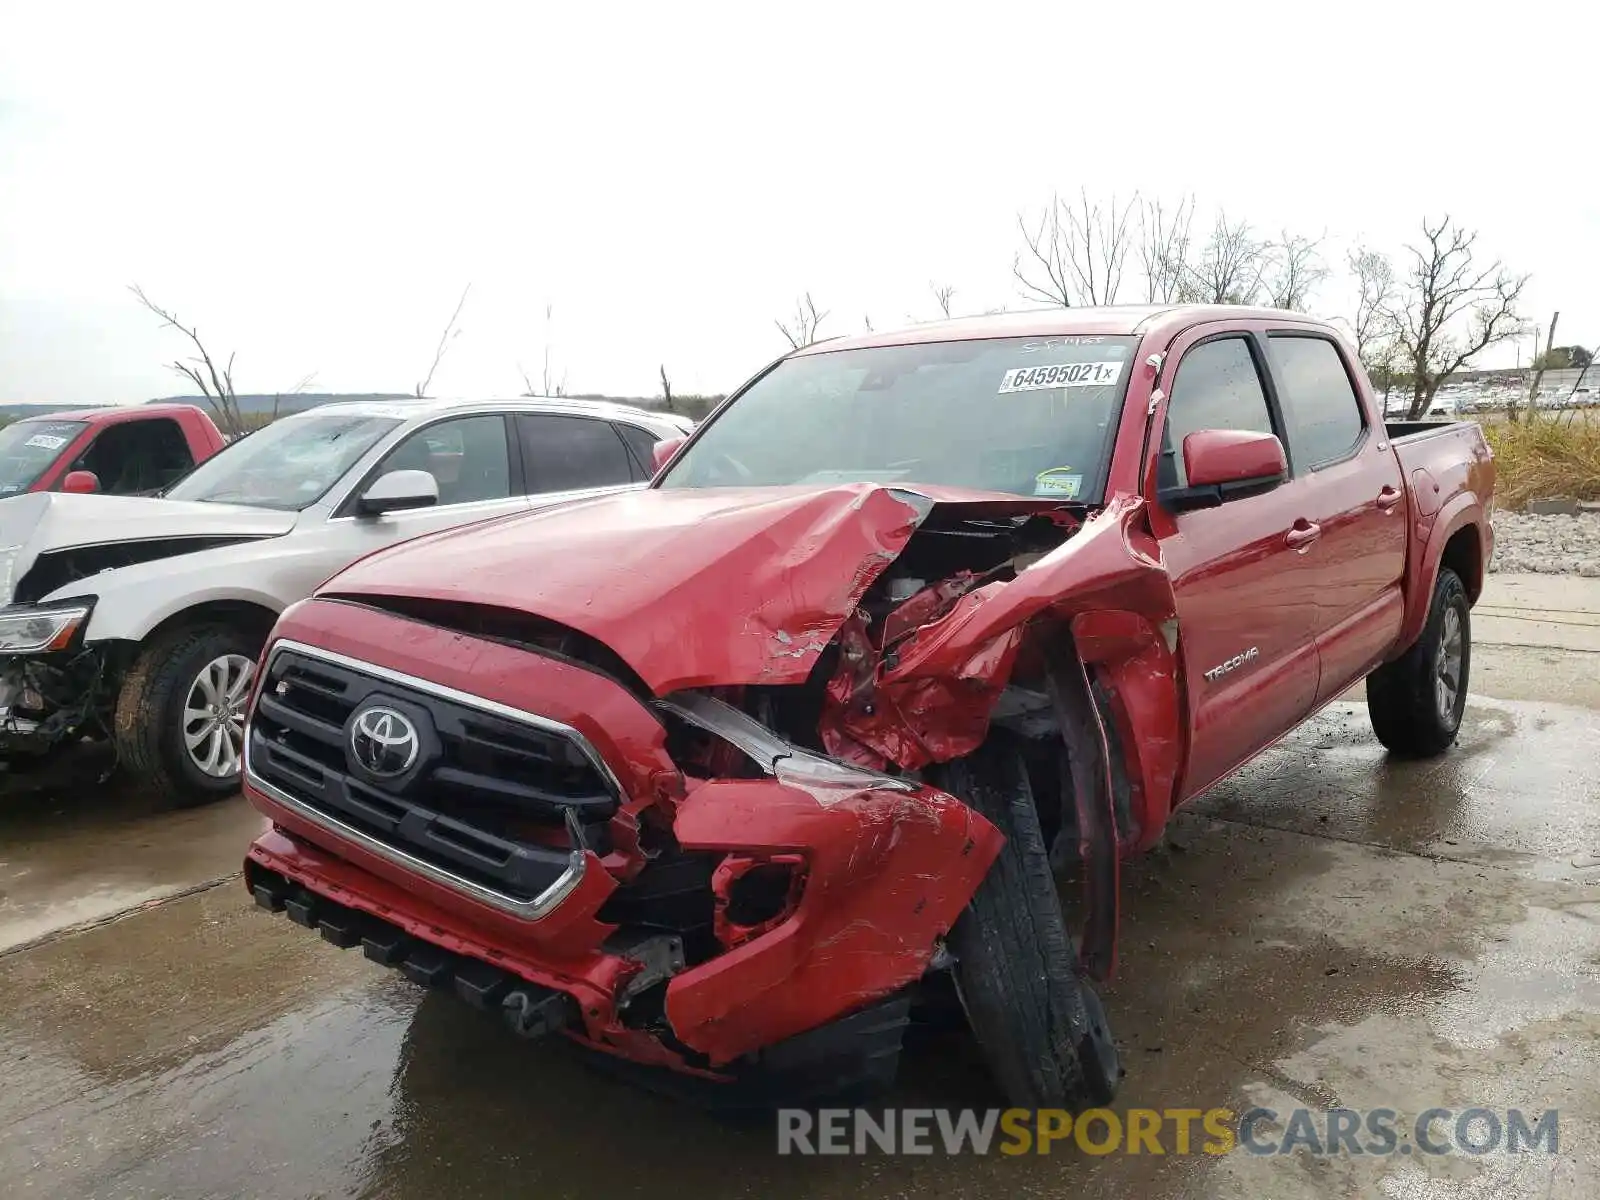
x: 1217, y: 386
x: 1320, y: 406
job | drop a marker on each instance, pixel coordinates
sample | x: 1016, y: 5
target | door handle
x: 1388, y: 498
x: 1302, y: 535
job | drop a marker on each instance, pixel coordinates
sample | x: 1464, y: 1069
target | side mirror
x: 398, y: 490
x: 81, y: 483
x: 1227, y: 464
x: 661, y: 453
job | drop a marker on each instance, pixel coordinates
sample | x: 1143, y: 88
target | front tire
x: 179, y: 724
x: 1040, y: 1024
x: 1416, y: 701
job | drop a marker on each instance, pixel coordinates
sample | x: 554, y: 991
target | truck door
x: 1354, y: 494
x: 1246, y: 608
x: 136, y: 456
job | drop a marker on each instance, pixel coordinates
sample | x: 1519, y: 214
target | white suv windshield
x: 288, y: 465
x: 1028, y: 416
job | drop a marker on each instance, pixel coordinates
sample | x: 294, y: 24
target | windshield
x: 290, y: 464
x: 1029, y: 416
x: 28, y: 447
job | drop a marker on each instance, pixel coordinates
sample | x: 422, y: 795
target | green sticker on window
x: 1058, y: 481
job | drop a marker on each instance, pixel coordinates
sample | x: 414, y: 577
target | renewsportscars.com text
x: 1166, y: 1131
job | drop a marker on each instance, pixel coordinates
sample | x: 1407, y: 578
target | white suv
x: 141, y: 619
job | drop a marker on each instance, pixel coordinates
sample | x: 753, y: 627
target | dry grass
x: 1546, y: 454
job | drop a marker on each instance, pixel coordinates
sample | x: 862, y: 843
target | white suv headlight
x: 42, y: 629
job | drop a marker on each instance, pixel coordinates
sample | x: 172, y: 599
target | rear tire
x: 180, y: 713
x: 1416, y: 701
x: 1040, y: 1024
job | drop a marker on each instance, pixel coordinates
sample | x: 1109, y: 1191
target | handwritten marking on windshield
x: 1052, y: 342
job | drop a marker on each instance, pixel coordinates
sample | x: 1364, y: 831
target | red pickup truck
x: 125, y: 451
x: 724, y: 775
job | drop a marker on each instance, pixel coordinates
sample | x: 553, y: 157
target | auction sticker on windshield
x: 1083, y: 374
x: 1058, y: 481
x: 46, y: 441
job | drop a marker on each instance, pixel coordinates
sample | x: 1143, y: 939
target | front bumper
x: 882, y: 873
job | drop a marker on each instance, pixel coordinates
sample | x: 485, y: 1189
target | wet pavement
x: 1329, y: 928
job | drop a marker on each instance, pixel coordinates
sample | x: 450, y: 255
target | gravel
x: 1551, y: 545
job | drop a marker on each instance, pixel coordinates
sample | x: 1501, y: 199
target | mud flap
x: 1094, y: 797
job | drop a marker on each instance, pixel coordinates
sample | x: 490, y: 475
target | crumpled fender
x: 887, y: 874
x: 929, y: 699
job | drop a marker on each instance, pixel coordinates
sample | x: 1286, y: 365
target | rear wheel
x: 180, y: 715
x: 1416, y: 701
x: 1040, y: 1024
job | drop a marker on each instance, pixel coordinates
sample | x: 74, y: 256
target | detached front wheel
x: 180, y: 715
x: 1040, y: 1024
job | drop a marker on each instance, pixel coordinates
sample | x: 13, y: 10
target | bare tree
x: 1296, y: 268
x: 942, y: 295
x: 666, y: 390
x: 1048, y: 274
x: 1374, y: 298
x: 215, y: 384
x: 277, y: 399
x: 1373, y: 327
x: 1445, y: 289
x: 801, y: 328
x: 1540, y: 364
x: 1229, y: 267
x: 1164, y: 242
x: 548, y: 384
x: 450, y: 334
x: 1076, y: 254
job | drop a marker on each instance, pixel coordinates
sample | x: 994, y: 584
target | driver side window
x: 466, y: 456
x: 1217, y: 386
x: 137, y: 456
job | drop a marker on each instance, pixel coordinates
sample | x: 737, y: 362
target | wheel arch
x: 237, y: 612
x: 1456, y: 541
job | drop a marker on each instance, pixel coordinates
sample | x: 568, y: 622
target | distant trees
x: 1164, y: 241
x: 1077, y: 253
x: 1563, y: 358
x: 801, y: 327
x: 1229, y: 267
x: 451, y: 332
x: 1295, y: 269
x: 1446, y: 309
x: 549, y: 384
x: 215, y: 383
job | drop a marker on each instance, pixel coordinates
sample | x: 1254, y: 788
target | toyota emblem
x: 384, y: 741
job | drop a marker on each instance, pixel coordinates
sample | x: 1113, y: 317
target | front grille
x: 491, y: 797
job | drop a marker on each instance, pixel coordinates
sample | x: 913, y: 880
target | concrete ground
x: 1328, y: 928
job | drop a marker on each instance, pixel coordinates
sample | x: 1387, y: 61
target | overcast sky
x: 314, y: 184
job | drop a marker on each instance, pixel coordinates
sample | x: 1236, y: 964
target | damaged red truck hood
x: 691, y: 587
